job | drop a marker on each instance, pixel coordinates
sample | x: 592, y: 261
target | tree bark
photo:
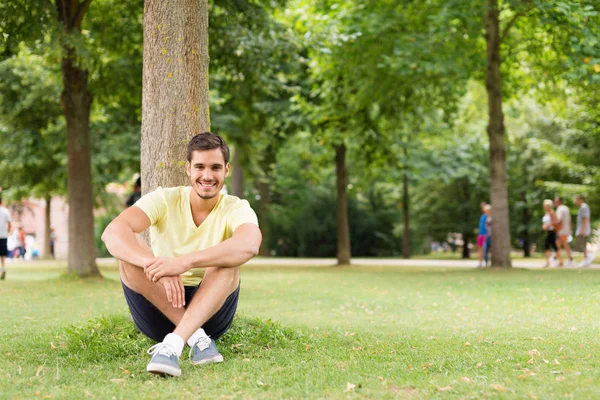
x: 405, y: 210
x: 526, y: 218
x: 343, y: 227
x: 237, y: 175
x: 263, y: 215
x: 76, y: 100
x: 174, y: 88
x: 466, y: 252
x: 496, y: 133
x: 47, y: 228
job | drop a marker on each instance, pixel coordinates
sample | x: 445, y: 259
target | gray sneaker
x: 204, y: 351
x: 164, y: 360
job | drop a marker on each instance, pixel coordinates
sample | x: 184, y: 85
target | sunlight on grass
x: 321, y: 333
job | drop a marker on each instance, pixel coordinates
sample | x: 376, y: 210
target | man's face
x: 557, y: 202
x: 207, y: 172
x: 578, y: 201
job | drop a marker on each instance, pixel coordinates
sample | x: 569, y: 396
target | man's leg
x: 217, y: 285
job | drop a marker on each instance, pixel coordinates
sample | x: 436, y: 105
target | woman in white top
x: 549, y: 222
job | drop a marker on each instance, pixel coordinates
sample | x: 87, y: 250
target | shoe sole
x: 162, y: 370
x: 215, y: 359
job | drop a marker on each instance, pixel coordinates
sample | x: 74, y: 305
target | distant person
x: 549, y: 222
x: 192, y: 228
x: 564, y: 229
x: 482, y: 233
x: 52, y: 242
x: 487, y: 247
x: 5, y: 227
x: 583, y: 231
x: 137, y: 193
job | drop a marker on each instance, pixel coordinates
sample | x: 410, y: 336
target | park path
x: 380, y: 262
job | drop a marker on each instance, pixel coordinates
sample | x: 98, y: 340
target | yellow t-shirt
x: 173, y: 231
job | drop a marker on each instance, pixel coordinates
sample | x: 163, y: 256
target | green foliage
x: 103, y: 339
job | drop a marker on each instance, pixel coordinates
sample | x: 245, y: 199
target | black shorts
x: 3, y: 248
x: 154, y: 324
x: 550, y: 242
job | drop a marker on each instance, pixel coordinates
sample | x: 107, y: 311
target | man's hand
x: 165, y: 266
x: 175, y: 291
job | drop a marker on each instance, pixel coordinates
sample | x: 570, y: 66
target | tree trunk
x: 174, y: 88
x: 498, y: 191
x: 405, y: 211
x: 47, y: 228
x: 237, y: 175
x: 263, y: 215
x: 525, y: 220
x: 466, y: 252
x: 343, y: 228
x: 76, y: 100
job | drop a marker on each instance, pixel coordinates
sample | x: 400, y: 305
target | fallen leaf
x: 380, y: 378
x: 357, y: 348
x: 235, y: 346
x: 532, y: 396
x: 556, y: 372
x: 39, y: 370
x: 444, y: 389
x: 556, y: 362
x: 546, y: 361
x: 499, y: 388
x: 117, y: 380
x: 350, y: 387
x: 125, y: 371
x: 561, y: 348
x: 588, y: 356
x: 560, y: 378
x: 349, y: 333
x: 466, y: 379
x: 425, y: 366
x: 478, y: 365
x: 89, y: 394
x: 307, y: 347
x: 467, y: 344
x: 259, y: 383
x: 534, y: 352
x: 53, y: 346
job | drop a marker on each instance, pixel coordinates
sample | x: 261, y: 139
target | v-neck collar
x: 189, y: 209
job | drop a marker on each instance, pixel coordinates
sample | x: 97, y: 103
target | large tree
x: 175, y: 87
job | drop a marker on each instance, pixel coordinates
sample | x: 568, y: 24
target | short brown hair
x: 207, y: 141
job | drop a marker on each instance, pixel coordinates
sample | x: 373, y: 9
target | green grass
x: 318, y: 333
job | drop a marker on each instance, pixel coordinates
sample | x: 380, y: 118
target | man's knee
x: 230, y: 275
x: 128, y: 274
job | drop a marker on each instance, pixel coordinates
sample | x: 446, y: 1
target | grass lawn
x: 321, y: 332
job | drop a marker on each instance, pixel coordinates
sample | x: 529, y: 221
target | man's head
x: 137, y: 186
x: 208, y: 164
x: 579, y: 200
x: 482, y: 206
x: 558, y: 201
x: 207, y: 141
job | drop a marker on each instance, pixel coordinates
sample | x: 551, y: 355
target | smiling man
x: 185, y: 287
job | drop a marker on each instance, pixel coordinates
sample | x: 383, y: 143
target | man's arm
x: 120, y: 237
x: 583, y: 226
x: 233, y: 252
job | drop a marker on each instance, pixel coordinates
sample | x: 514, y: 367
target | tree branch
x: 81, y: 10
x: 513, y: 20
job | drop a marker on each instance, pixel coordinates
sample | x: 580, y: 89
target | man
x: 583, y: 230
x: 191, y: 229
x: 482, y: 233
x: 563, y: 215
x: 5, y: 228
x: 487, y: 246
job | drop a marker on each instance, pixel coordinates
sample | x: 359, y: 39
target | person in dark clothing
x: 137, y: 193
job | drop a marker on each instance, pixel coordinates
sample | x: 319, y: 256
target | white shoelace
x: 163, y: 349
x: 202, y: 344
